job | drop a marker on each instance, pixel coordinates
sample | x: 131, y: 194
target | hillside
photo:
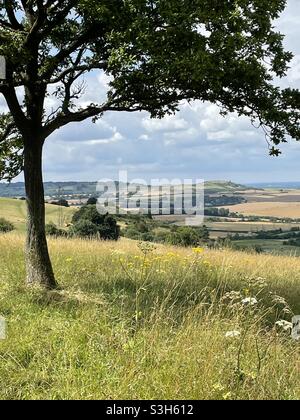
x: 89, y: 188
x: 15, y: 212
x: 132, y: 322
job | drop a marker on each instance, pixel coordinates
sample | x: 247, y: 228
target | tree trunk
x: 38, y: 263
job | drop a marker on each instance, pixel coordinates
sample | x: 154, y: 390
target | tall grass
x: 134, y: 322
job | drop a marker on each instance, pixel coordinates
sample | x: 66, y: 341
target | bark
x: 38, y: 264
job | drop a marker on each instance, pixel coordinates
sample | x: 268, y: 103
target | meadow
x: 133, y: 321
x: 15, y: 211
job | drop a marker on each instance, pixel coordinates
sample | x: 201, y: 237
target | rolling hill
x: 89, y: 188
x: 15, y: 211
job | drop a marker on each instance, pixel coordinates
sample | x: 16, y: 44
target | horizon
x: 247, y: 183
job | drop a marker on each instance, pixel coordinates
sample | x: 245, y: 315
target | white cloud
x: 167, y: 124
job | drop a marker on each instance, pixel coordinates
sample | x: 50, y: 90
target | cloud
x: 171, y: 123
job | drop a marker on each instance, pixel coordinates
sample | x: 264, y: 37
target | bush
x: 132, y: 233
x: 84, y: 229
x: 161, y: 235
x: 185, y: 236
x: 52, y: 230
x: 6, y: 226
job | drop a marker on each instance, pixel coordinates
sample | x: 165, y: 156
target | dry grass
x: 276, y: 209
x: 140, y: 323
x: 15, y: 212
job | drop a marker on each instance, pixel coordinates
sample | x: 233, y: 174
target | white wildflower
x: 285, y: 325
x: 250, y: 301
x: 232, y: 295
x: 233, y: 334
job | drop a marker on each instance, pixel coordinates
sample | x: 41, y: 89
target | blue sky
x: 195, y: 143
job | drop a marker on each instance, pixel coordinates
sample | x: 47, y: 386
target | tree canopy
x: 157, y: 54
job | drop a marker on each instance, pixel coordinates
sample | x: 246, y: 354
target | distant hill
x: 64, y: 189
x: 226, y: 187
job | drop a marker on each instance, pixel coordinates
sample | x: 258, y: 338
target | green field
x: 248, y: 227
x: 15, y: 212
x: 131, y: 322
x: 273, y: 246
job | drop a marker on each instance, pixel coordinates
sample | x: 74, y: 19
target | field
x: 270, y: 246
x: 274, y: 209
x: 135, y: 322
x: 223, y: 229
x: 15, y: 212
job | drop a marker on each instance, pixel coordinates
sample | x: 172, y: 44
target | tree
x: 104, y: 225
x: 92, y: 201
x: 90, y: 213
x: 157, y: 53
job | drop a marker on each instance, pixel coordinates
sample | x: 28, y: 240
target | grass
x: 15, y: 212
x: 133, y: 322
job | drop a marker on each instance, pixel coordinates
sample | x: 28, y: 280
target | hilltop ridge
x: 17, y: 189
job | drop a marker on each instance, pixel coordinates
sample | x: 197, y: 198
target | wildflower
x: 250, y: 301
x: 285, y: 325
x: 198, y: 250
x: 171, y: 255
x: 261, y: 282
x: 233, y: 295
x: 279, y: 300
x: 233, y: 334
x: 218, y: 387
x: 227, y: 396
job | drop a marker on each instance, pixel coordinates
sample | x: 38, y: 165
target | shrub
x: 53, y: 230
x: 6, y: 226
x: 161, y: 235
x: 132, y: 233
x: 184, y: 237
x: 187, y: 236
x: 84, y: 229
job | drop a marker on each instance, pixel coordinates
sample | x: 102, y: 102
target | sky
x: 196, y: 143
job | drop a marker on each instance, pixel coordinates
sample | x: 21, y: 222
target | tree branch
x: 11, y: 15
x: 89, y: 112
